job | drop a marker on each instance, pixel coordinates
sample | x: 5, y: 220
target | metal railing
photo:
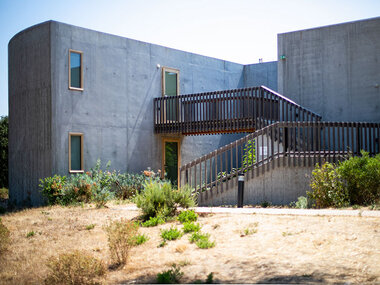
x: 298, y: 143
x: 227, y: 111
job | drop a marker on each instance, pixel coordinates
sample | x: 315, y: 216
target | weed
x: 90, y: 226
x: 162, y: 243
x: 301, y: 203
x: 74, y: 268
x: 265, y: 204
x: 171, y: 234
x: 209, y: 279
x: 140, y: 239
x: 121, y: 235
x: 189, y: 227
x: 30, y: 234
x: 181, y: 248
x: 187, y: 216
x: 4, y: 237
x: 153, y: 221
x: 184, y: 262
x: 201, y: 240
x: 171, y: 276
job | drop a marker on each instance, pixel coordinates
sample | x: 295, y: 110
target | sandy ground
x: 285, y: 249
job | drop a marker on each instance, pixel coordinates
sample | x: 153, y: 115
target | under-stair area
x: 276, y: 158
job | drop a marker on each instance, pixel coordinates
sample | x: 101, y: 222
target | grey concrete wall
x: 333, y: 70
x: 115, y: 110
x: 261, y: 74
x: 29, y: 113
x: 279, y: 186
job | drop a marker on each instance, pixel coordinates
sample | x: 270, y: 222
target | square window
x: 75, y: 152
x: 75, y: 70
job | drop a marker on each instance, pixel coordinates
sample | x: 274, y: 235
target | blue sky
x: 236, y: 30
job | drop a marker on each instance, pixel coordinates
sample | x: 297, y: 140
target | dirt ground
x: 285, y: 249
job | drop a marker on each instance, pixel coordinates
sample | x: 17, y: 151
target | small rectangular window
x: 75, y: 152
x: 170, y: 81
x: 75, y: 70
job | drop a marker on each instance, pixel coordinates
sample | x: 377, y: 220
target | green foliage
x: 301, y: 203
x: 90, y: 226
x: 171, y: 276
x: 210, y: 278
x: 153, y: 221
x: 74, y: 268
x: 189, y: 227
x: 52, y: 188
x: 187, y: 216
x: 4, y: 126
x: 265, y: 204
x: 30, y: 234
x: 171, y: 234
x: 4, y: 237
x: 201, y: 240
x: 361, y: 177
x: 249, y: 155
x: 4, y: 193
x: 160, y: 199
x: 140, y: 239
x: 327, y: 186
x: 128, y: 184
x: 121, y: 237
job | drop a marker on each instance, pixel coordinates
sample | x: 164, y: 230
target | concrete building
x: 76, y: 95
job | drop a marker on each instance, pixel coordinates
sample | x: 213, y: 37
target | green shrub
x: 4, y: 193
x: 249, y: 155
x: 90, y: 226
x: 30, y: 234
x: 160, y: 199
x: 127, y: 185
x: 52, y: 188
x: 121, y: 236
x: 140, y: 239
x: 153, y: 221
x: 187, y: 216
x: 189, y: 227
x: 4, y: 237
x: 327, y: 186
x: 171, y: 234
x: 74, y: 268
x: 171, y: 276
x: 201, y: 240
x: 361, y: 177
x: 301, y: 203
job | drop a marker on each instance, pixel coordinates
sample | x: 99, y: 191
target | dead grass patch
x: 320, y: 250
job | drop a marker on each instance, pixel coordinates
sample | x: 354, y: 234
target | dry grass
x: 284, y: 249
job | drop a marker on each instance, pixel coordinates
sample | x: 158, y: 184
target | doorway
x: 171, y: 160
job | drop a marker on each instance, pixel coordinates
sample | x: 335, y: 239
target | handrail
x: 236, y: 110
x: 300, y: 143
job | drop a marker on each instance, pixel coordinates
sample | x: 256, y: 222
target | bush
x: 4, y: 237
x: 153, y: 221
x: 189, y: 227
x: 361, y: 176
x: 171, y: 276
x: 201, y: 240
x: 160, y: 199
x: 140, y: 239
x: 187, y: 216
x: 127, y: 185
x: 171, y: 234
x: 327, y: 186
x: 121, y: 237
x: 74, y: 268
x: 301, y: 203
x: 52, y: 188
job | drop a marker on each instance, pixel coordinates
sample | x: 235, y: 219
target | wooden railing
x: 298, y: 143
x: 227, y: 111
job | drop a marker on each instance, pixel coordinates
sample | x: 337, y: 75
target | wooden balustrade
x: 301, y: 143
x: 227, y: 111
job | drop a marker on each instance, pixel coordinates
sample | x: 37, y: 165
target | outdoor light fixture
x: 283, y: 57
x: 158, y: 66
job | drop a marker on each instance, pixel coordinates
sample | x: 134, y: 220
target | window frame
x: 81, y: 70
x: 169, y: 69
x: 81, y: 152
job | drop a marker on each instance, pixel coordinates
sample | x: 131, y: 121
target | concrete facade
x: 114, y: 111
x: 333, y: 70
x: 279, y: 186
